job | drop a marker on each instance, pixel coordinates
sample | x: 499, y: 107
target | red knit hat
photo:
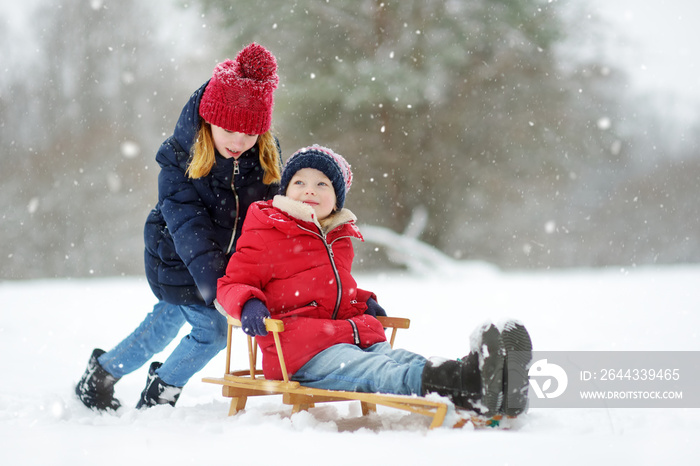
x: 239, y: 95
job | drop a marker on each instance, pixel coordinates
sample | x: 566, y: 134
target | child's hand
x: 374, y: 309
x: 253, y: 317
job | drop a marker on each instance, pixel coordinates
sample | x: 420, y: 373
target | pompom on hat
x: 239, y: 96
x: 333, y: 165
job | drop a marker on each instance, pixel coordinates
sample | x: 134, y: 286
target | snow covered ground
x: 48, y: 329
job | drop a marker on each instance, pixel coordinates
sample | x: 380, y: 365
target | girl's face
x: 313, y: 188
x: 231, y: 144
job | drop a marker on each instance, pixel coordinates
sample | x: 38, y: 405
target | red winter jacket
x: 303, y: 275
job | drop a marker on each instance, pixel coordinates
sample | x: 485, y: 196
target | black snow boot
x: 518, y: 346
x: 460, y: 381
x: 487, y: 344
x: 96, y: 387
x: 157, y: 392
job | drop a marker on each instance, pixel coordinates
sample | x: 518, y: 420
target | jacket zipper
x: 236, y: 171
x: 338, y: 297
x: 329, y: 249
x: 355, y: 332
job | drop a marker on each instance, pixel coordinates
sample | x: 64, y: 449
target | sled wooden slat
x: 240, y: 384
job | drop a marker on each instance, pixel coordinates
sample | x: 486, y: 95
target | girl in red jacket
x: 293, y: 262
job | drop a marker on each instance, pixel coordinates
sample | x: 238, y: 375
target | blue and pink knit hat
x: 333, y: 165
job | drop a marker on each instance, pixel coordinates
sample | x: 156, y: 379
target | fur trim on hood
x: 306, y: 213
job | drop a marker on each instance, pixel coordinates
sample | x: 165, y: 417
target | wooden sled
x: 240, y: 384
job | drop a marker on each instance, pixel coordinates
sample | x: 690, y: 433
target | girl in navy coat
x: 221, y: 158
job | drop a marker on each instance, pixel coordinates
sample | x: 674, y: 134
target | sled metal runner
x: 240, y: 384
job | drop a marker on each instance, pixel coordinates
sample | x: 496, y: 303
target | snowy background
x: 48, y: 329
x: 655, y: 42
x: 528, y: 133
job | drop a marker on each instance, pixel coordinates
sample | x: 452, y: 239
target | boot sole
x: 491, y: 366
x: 518, y: 346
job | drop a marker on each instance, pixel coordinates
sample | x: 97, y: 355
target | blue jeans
x: 161, y: 326
x: 377, y: 369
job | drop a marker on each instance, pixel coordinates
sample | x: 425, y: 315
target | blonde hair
x: 204, y: 155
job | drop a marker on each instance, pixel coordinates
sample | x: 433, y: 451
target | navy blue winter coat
x: 191, y: 232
